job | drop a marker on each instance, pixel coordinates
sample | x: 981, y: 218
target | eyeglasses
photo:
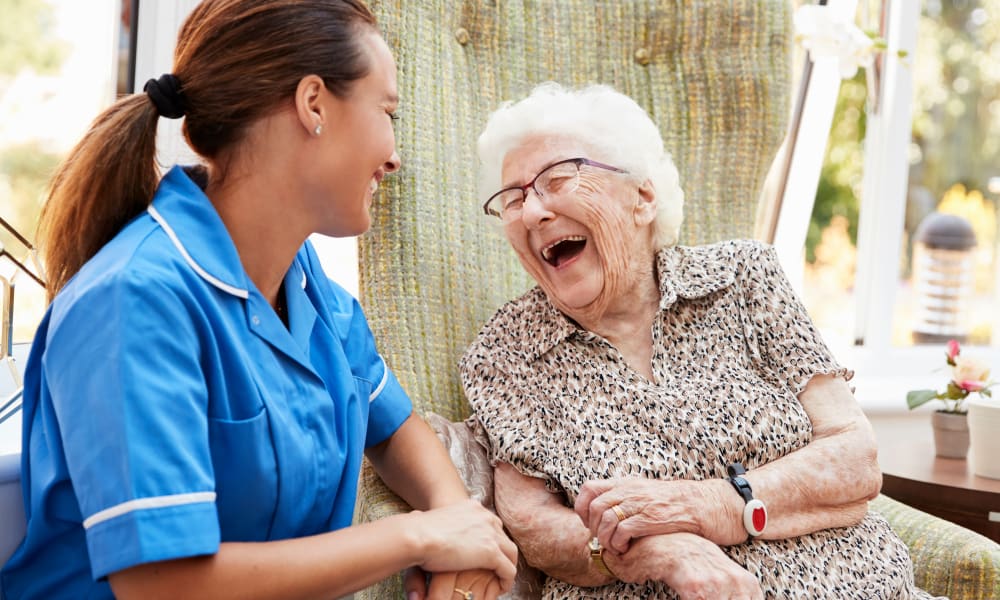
x: 554, y: 181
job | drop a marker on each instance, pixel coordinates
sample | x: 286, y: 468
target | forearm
x: 555, y: 542
x: 549, y: 534
x: 415, y: 465
x: 329, y: 565
x: 825, y: 484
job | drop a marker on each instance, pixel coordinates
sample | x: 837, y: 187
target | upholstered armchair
x: 715, y: 74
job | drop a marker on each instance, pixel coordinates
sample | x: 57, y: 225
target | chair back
x: 714, y: 74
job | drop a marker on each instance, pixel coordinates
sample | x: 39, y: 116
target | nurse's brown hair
x: 236, y: 61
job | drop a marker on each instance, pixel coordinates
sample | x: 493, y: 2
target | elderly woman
x: 664, y: 421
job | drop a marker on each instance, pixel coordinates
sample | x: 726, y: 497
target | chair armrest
x: 375, y: 502
x: 948, y: 560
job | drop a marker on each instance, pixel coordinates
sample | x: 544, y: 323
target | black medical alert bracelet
x: 754, y: 513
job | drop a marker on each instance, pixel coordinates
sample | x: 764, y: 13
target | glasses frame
x: 531, y: 184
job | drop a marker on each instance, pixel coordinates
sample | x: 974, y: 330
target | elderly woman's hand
x: 483, y: 585
x: 695, y: 568
x: 619, y: 510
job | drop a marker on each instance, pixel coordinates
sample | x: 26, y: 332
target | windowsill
x: 882, y: 378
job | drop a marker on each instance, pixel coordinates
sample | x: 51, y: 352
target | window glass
x: 943, y: 290
x: 947, y: 275
x: 58, y: 70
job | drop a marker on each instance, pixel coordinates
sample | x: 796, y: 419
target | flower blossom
x: 970, y: 374
x: 826, y: 33
x: 953, y: 350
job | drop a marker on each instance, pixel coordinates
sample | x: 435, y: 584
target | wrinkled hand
x: 653, y: 507
x: 463, y: 537
x: 483, y: 584
x: 695, y: 568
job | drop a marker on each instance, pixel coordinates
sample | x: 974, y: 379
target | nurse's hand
x: 464, y: 537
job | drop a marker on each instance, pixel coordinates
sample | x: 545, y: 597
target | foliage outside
x: 29, y: 51
x: 954, y: 153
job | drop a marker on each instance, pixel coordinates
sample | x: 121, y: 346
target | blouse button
x: 256, y: 320
x: 462, y: 35
x: 768, y: 562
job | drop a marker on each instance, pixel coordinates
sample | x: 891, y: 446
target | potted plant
x: 951, y: 427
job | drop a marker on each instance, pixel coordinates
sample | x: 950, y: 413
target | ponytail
x: 107, y: 180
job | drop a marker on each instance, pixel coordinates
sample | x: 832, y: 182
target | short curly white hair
x: 607, y: 122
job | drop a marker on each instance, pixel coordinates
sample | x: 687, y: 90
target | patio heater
x: 943, y: 278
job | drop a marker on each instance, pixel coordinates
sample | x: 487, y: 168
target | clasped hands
x: 667, y: 531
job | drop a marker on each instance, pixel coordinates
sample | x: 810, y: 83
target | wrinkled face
x: 359, y: 144
x: 585, y: 249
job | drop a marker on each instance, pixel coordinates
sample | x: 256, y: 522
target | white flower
x: 826, y: 33
x: 970, y: 374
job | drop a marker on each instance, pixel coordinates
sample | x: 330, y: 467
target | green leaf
x: 954, y: 392
x: 986, y: 392
x: 919, y: 397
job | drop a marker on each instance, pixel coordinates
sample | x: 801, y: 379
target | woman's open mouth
x: 559, y: 252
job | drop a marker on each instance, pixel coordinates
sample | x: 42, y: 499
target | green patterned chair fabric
x: 948, y: 560
x: 715, y: 74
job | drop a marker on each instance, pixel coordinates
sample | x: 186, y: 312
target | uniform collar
x: 685, y: 272
x: 189, y: 219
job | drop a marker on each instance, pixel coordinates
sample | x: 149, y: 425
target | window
x: 57, y: 72
x: 931, y: 143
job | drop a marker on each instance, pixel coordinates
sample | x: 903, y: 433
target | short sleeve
x: 122, y: 371
x: 785, y: 344
x: 505, y: 417
x: 389, y: 406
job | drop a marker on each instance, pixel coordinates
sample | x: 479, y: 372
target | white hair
x: 605, y: 121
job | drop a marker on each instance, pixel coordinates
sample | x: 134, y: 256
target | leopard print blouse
x: 733, y: 348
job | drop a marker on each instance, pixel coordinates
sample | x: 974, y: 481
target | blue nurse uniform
x: 167, y: 408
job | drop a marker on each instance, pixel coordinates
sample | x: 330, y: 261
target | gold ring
x: 619, y: 513
x: 465, y: 595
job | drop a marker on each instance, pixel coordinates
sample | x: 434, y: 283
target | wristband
x: 597, y: 557
x: 754, y: 513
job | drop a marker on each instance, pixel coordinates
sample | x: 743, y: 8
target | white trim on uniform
x: 225, y: 287
x: 381, y: 384
x: 147, y: 503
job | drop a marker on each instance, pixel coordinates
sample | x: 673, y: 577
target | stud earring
x: 318, y: 130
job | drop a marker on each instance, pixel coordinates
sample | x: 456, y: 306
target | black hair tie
x: 166, y: 96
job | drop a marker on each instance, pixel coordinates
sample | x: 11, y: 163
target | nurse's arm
x: 415, y: 465
x: 328, y: 565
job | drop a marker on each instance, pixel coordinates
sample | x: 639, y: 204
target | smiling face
x: 587, y: 249
x: 358, y: 144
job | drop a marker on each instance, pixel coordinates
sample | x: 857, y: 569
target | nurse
x: 199, y: 395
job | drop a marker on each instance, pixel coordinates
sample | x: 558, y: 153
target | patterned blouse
x: 733, y: 348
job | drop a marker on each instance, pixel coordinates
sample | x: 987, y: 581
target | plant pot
x: 984, y: 435
x: 951, y: 434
